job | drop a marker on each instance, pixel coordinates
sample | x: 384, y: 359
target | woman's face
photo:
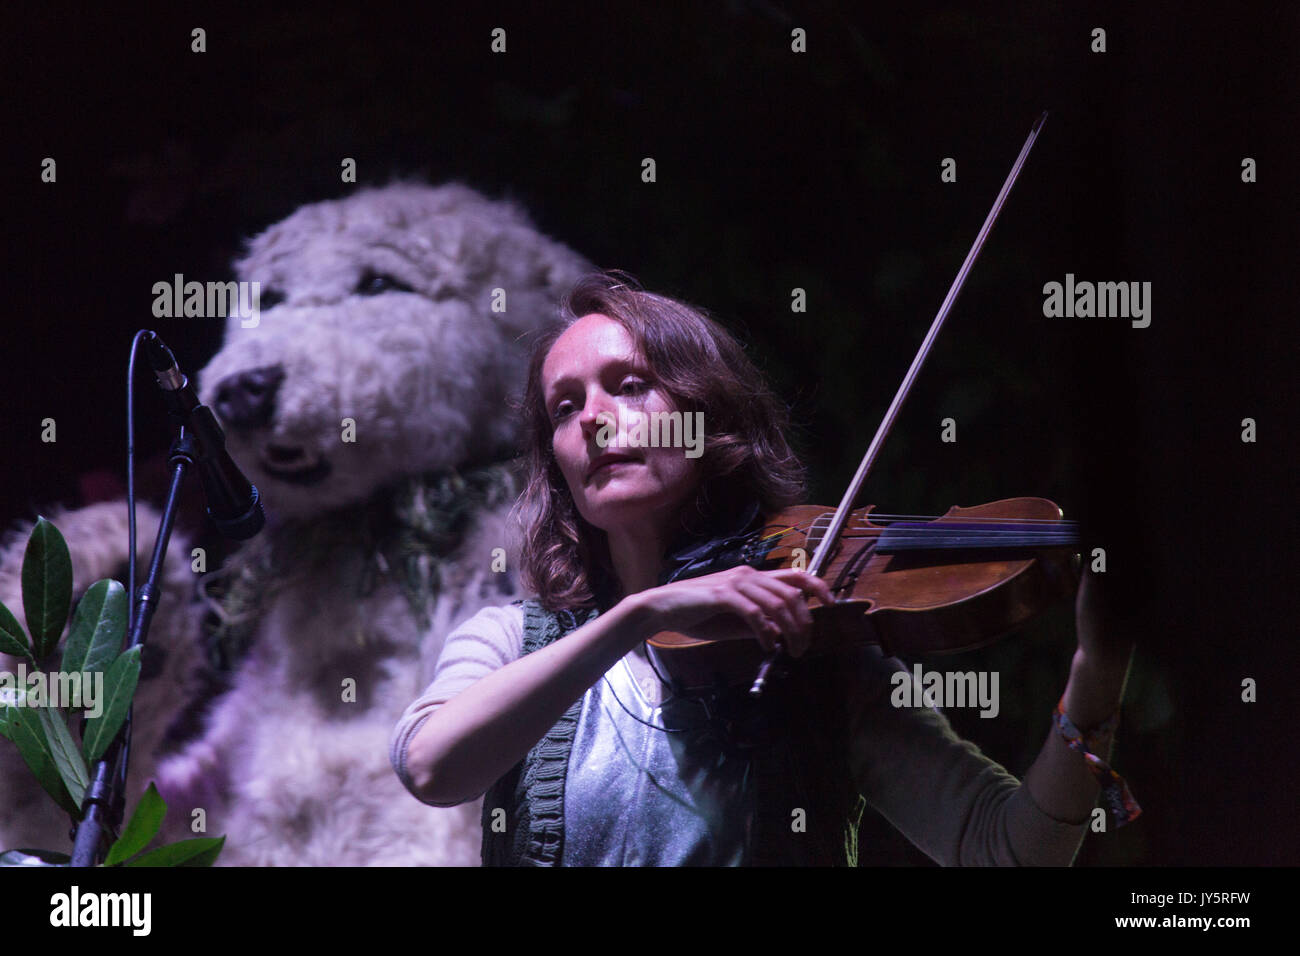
x: 596, y: 389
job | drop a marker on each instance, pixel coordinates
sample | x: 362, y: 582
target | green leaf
x: 34, y: 858
x: 13, y: 639
x: 27, y: 732
x: 119, y: 687
x: 47, y: 587
x: 10, y: 698
x: 200, y: 852
x: 63, y: 749
x: 98, y: 626
x: 142, y: 828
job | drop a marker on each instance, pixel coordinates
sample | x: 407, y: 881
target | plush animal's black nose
x: 247, y: 400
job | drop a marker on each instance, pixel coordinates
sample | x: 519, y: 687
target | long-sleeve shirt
x: 953, y: 802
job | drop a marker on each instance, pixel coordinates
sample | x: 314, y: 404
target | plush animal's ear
x: 563, y: 268
x: 253, y: 252
x: 556, y: 269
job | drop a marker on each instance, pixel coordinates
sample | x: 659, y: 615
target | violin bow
x: 841, y: 516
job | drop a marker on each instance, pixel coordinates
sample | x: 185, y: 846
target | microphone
x: 234, y: 504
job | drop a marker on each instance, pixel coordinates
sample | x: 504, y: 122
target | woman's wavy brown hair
x: 746, y: 458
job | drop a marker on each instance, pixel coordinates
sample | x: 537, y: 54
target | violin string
x: 1020, y: 525
x: 955, y: 519
x: 959, y: 529
x: 1052, y: 530
x: 970, y: 528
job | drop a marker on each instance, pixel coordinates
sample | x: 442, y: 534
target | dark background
x: 778, y: 170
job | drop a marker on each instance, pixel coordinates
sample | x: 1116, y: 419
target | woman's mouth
x: 608, y: 461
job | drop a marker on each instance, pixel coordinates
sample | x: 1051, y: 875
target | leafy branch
x: 40, y: 726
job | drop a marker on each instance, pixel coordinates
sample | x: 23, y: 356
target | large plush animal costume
x: 369, y: 402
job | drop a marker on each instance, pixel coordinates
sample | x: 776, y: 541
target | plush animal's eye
x: 375, y: 283
x: 269, y: 298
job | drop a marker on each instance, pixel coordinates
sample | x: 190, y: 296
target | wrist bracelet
x: 1124, y: 809
x: 1092, y: 736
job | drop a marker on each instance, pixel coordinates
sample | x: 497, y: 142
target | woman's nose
x: 598, y: 411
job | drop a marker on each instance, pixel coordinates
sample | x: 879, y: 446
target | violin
x: 912, y: 585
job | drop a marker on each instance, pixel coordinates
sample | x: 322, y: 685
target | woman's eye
x: 562, y: 411
x: 634, y: 386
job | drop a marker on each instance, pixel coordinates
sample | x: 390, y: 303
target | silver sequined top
x: 637, y: 795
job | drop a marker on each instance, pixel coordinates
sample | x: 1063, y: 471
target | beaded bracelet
x: 1123, y: 807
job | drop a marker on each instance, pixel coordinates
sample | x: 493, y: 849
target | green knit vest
x: 806, y: 797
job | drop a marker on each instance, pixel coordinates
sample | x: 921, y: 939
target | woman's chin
x: 626, y: 509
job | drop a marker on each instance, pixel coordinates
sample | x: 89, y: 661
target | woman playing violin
x: 585, y: 752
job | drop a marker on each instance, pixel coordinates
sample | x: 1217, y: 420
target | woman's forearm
x: 474, y: 738
x: 1059, y: 780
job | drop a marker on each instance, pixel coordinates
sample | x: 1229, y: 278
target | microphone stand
x: 104, y: 803
x: 234, y: 505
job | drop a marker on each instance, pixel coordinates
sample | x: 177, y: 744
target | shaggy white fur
x: 404, y: 310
